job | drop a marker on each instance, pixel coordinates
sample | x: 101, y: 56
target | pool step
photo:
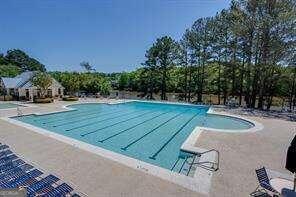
x: 193, y: 166
x: 183, y: 165
x: 178, y: 164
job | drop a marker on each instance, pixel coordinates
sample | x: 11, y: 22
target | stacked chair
x: 16, y: 173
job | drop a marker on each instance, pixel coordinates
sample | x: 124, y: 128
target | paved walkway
x: 242, y: 153
x: 96, y: 176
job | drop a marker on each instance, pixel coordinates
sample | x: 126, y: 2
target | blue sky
x: 113, y: 35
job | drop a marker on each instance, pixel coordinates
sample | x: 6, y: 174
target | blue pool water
x: 151, y: 132
x: 7, y: 105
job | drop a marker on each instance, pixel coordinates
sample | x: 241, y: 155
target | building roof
x: 10, y: 82
x: 28, y: 84
x: 19, y: 81
x: 22, y: 81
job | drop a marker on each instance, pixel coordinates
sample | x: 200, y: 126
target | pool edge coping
x: 19, y: 104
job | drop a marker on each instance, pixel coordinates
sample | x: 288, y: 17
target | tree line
x: 84, y: 82
x: 246, y: 51
x: 16, y: 61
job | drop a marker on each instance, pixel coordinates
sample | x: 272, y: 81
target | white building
x: 21, y: 87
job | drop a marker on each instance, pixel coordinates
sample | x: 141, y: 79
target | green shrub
x: 71, y: 98
x: 7, y: 98
x: 43, y: 100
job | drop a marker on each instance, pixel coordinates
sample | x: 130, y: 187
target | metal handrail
x: 210, y: 151
x: 206, y: 167
x: 19, y: 112
x: 209, y: 162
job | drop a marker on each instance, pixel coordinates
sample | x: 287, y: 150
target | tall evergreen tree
x: 162, y: 56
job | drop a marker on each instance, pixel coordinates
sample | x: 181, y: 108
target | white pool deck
x: 98, y: 172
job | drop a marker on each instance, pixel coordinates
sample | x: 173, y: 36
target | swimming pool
x: 150, y: 132
x: 8, y: 105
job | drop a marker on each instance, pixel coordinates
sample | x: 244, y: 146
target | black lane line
x: 154, y: 129
x: 134, y: 126
x: 172, y: 137
x: 95, y: 122
x: 89, y: 118
x: 76, y: 116
x: 137, y: 116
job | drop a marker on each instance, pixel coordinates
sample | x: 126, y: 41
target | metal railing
x: 214, y: 165
x: 19, y: 112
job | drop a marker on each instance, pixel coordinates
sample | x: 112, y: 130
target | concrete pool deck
x: 240, y: 153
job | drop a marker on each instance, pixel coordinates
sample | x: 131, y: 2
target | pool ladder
x: 214, y: 165
x: 19, y: 112
x: 187, y: 165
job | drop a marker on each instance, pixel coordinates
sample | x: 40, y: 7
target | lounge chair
x: 264, y: 187
x: 41, y: 184
x: 44, y: 190
x: 10, y: 165
x: 15, y: 172
x: 22, y: 180
x: 3, y: 147
x: 26, y: 167
x: 61, y: 190
x: 5, y: 153
x: 7, y: 159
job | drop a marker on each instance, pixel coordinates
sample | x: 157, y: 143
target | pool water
x: 7, y: 105
x: 151, y: 132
